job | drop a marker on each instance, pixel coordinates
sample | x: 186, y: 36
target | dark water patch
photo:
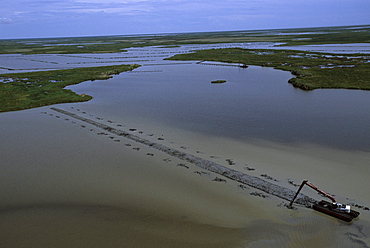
x: 256, y: 103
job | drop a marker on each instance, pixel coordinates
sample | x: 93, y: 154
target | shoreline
x: 313, y: 70
x: 19, y: 91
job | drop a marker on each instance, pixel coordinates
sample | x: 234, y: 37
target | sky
x: 67, y: 18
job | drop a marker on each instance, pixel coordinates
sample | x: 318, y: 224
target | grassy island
x: 35, y: 89
x: 312, y: 70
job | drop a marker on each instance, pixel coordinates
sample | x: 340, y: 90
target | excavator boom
x: 334, y: 209
x: 306, y: 182
x: 320, y: 191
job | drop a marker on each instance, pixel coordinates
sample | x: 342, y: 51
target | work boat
x: 335, y: 209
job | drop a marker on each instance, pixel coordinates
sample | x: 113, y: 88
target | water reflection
x: 255, y: 103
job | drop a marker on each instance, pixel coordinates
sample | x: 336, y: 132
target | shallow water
x: 255, y: 103
x: 66, y: 183
x: 63, y: 184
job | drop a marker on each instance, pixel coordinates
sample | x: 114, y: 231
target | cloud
x: 125, y: 7
x: 69, y: 17
x: 111, y: 1
x: 124, y: 10
x: 24, y: 9
x: 6, y: 20
x: 151, y: 2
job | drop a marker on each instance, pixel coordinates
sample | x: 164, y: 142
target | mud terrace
x: 252, y: 181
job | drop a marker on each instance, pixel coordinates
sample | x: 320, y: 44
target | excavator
x: 335, y: 209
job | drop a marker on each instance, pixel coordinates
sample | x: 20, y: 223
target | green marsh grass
x: 312, y: 70
x: 35, y: 89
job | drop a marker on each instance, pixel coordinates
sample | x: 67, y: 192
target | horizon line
x: 184, y: 32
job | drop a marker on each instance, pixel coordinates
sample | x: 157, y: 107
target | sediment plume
x: 252, y: 181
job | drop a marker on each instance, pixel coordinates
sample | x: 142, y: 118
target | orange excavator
x: 335, y: 209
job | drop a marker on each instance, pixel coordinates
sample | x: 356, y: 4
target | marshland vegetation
x: 312, y: 70
x: 117, y: 43
x: 35, y: 89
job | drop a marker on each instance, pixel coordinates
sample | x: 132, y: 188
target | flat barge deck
x: 327, y: 208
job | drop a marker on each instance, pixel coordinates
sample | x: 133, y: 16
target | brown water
x: 64, y: 186
x: 64, y: 183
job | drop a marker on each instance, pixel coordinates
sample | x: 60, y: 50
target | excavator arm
x: 306, y: 182
x: 335, y: 209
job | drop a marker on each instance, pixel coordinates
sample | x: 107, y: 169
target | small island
x: 311, y: 70
x: 218, y: 81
